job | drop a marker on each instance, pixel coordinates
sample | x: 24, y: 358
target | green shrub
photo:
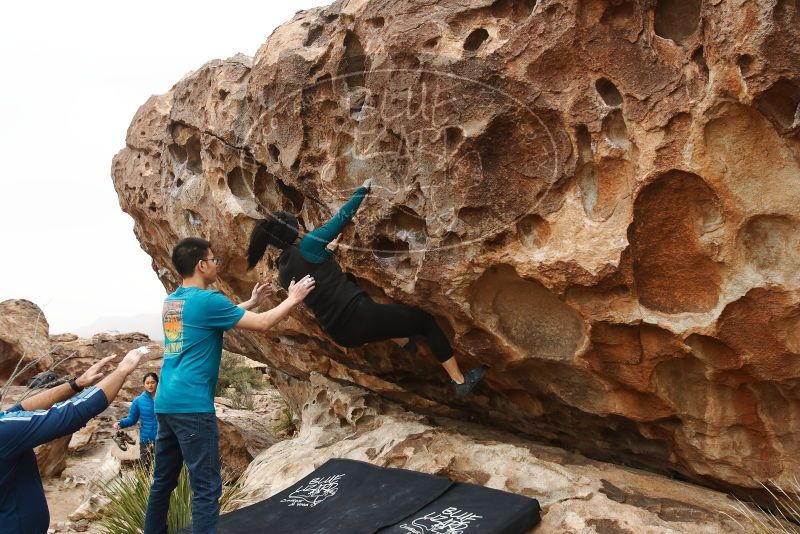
x: 127, y: 501
x: 237, y: 381
x: 286, y: 425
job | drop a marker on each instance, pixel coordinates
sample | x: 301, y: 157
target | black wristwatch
x: 73, y: 383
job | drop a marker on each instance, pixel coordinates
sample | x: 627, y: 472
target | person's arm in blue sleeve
x: 133, y: 415
x: 24, y: 430
x: 41, y: 418
x: 314, y: 242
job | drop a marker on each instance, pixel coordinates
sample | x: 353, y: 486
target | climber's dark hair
x: 187, y: 253
x: 278, y: 229
x: 150, y: 375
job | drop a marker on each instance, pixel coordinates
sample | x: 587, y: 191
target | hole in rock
x: 475, y: 39
x: 673, y: 272
x: 745, y: 62
x: 194, y: 161
x: 452, y: 138
x: 618, y: 15
x: 615, y: 130
x: 238, y: 183
x: 781, y: 103
x: 177, y: 152
x: 516, y: 10
x: 313, y: 35
x: 431, y: 43
x: 193, y: 218
x: 377, y: 22
x: 384, y: 247
x: 274, y: 152
x: 677, y: 19
x: 584, y: 141
x: 608, y: 92
x: 404, y: 225
x: 353, y: 65
x: 292, y: 199
x: 699, y: 59
x: 527, y: 314
x: 266, y: 190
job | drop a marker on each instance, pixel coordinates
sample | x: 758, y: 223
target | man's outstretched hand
x: 94, y: 374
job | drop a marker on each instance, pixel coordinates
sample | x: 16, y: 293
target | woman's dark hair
x: 278, y: 229
x: 187, y: 253
x: 150, y: 375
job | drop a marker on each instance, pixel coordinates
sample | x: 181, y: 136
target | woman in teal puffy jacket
x: 143, y: 411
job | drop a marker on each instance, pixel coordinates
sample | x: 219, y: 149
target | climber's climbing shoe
x: 120, y: 441
x: 471, y: 379
x: 129, y: 439
x: 411, y: 346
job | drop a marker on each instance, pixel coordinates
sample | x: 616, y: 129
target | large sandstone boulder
x: 597, y: 198
x: 576, y: 494
x: 24, y: 341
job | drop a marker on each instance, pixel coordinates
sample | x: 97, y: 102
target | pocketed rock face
x: 576, y: 494
x: 599, y: 199
x: 24, y: 341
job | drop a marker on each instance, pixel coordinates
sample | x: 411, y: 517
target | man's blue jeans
x: 192, y: 438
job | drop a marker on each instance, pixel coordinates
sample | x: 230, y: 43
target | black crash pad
x: 471, y: 509
x: 352, y: 497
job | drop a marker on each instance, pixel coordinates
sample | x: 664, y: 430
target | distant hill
x: 146, y: 323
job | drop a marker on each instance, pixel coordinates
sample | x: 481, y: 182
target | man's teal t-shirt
x: 194, y: 320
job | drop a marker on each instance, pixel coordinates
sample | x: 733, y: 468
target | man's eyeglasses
x: 216, y: 260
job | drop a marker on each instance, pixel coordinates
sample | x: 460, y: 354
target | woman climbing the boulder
x: 344, y: 310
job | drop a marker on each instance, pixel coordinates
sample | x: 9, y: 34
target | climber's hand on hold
x: 367, y: 183
x: 333, y: 245
x: 299, y: 290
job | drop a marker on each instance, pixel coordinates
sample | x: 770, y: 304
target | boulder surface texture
x: 599, y: 199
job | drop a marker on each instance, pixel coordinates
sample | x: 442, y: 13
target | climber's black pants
x: 366, y: 321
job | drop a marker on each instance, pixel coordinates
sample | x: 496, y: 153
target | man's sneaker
x: 120, y: 441
x: 129, y: 439
x: 411, y: 346
x: 471, y: 379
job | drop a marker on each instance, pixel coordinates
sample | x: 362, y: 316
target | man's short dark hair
x: 187, y: 253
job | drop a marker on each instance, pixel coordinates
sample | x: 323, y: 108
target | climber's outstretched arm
x: 314, y: 242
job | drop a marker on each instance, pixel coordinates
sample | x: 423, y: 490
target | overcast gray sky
x: 73, y: 76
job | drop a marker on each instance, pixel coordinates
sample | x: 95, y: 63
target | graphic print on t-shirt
x: 172, y: 317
